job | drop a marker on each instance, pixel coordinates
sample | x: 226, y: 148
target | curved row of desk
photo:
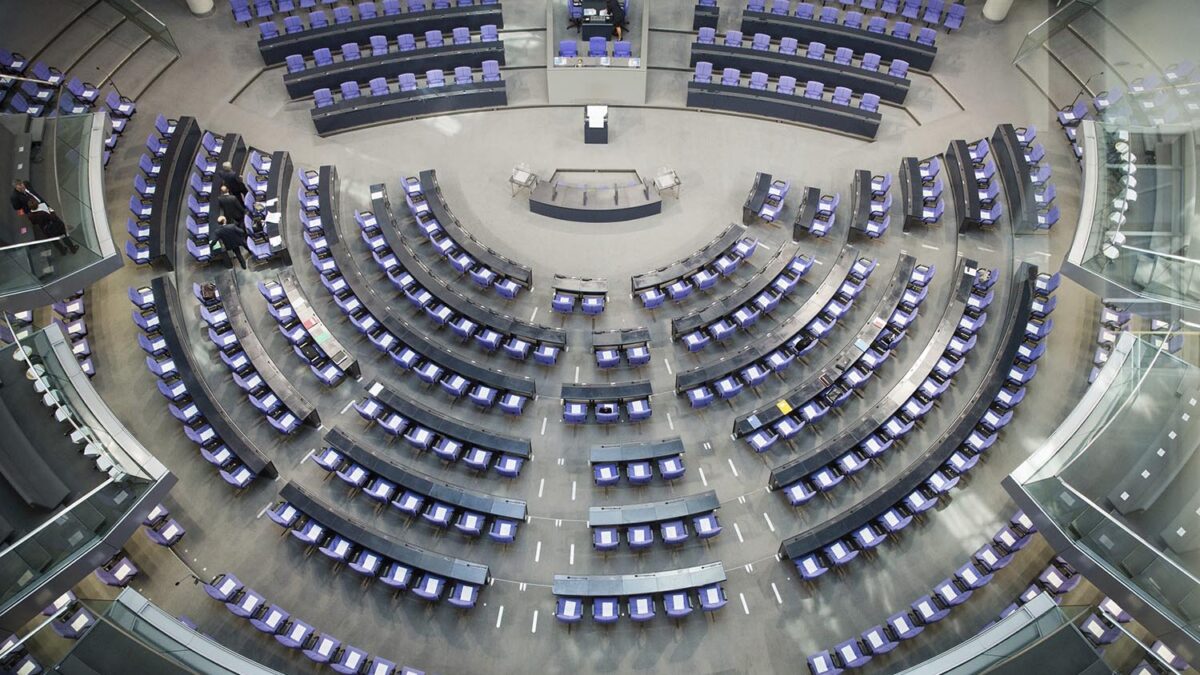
x: 792, y: 107
x: 413, y: 493
x: 231, y: 299
x: 674, y: 588
x: 425, y: 199
x: 795, y: 337
x: 447, y: 56
x: 829, y: 451
x: 171, y: 193
x: 777, y: 64
x: 811, y: 30
x: 469, y: 319
x: 394, y: 106
x: 170, y: 356
x: 275, y: 49
x: 604, y: 402
x: 374, y: 554
x: 761, y: 294
x: 408, y: 347
x: 695, y: 269
x: 449, y: 438
x: 919, y: 470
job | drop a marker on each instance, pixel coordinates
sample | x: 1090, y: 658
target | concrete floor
x: 773, y: 621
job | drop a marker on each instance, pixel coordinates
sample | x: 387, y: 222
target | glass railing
x: 69, y: 176
x: 1079, y: 478
x: 1042, y: 32
x: 142, y: 18
x: 52, y: 372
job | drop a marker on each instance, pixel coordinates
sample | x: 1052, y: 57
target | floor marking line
x: 703, y: 479
x: 731, y: 466
x: 571, y: 558
x: 572, y: 490
x: 576, y: 373
x: 537, y: 552
x: 263, y: 510
x: 745, y: 607
x: 346, y: 407
x: 544, y: 419
x: 541, y: 487
x: 738, y: 531
x: 668, y: 362
x: 670, y: 422
x: 306, y: 456
x: 500, y: 616
x: 535, y: 616
x: 769, y: 523
x: 929, y: 246
x: 777, y: 596
x: 534, y: 315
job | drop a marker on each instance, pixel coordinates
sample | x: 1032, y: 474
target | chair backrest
x: 323, y: 56
x: 342, y: 15
x: 379, y: 45
x: 816, y: 50
x: 870, y: 103
x: 491, y: 70
x: 870, y: 62
x: 622, y: 49
x: 317, y: 19
x: 758, y: 80
x: 926, y: 36
x: 488, y: 33
x: 899, y: 68
x: 761, y: 41
x: 366, y: 10
x: 877, y: 24
x: 268, y: 30
x: 843, y: 55
x: 829, y: 15
x: 379, y: 86
x: 853, y: 19
x: 435, y: 77
x: 462, y: 75
x: 350, y: 52
x: 703, y: 72
x: 406, y: 42
x: 814, y: 89
x: 461, y: 35
x: 323, y: 97
x: 731, y: 76
x: 408, y: 81
x: 295, y: 64
x: 433, y: 38
x: 804, y: 10
x: 597, y: 46
x: 788, y: 45
x: 707, y: 36
x: 902, y: 29
x: 841, y: 95
x: 786, y: 85
x: 780, y: 7
x: 350, y: 90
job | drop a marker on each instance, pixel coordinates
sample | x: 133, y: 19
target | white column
x: 993, y: 10
x: 200, y: 7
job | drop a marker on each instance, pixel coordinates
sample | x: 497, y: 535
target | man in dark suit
x: 230, y: 179
x: 233, y: 240
x: 231, y: 207
x: 22, y: 196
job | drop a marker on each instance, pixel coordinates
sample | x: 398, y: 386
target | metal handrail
x: 35, y: 242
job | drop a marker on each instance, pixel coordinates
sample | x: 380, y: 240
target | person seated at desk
x: 617, y: 11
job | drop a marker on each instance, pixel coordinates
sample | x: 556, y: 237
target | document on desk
x: 596, y: 115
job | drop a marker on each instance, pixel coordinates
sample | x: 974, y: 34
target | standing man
x: 231, y: 207
x: 233, y: 240
x: 231, y: 180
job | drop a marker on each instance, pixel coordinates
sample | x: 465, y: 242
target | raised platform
x: 595, y: 196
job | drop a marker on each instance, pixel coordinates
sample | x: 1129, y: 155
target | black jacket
x: 233, y: 181
x: 20, y: 200
x: 231, y: 237
x: 233, y: 209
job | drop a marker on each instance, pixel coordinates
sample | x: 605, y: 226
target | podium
x: 595, y: 124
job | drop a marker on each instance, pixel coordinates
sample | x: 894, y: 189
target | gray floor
x: 773, y: 621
